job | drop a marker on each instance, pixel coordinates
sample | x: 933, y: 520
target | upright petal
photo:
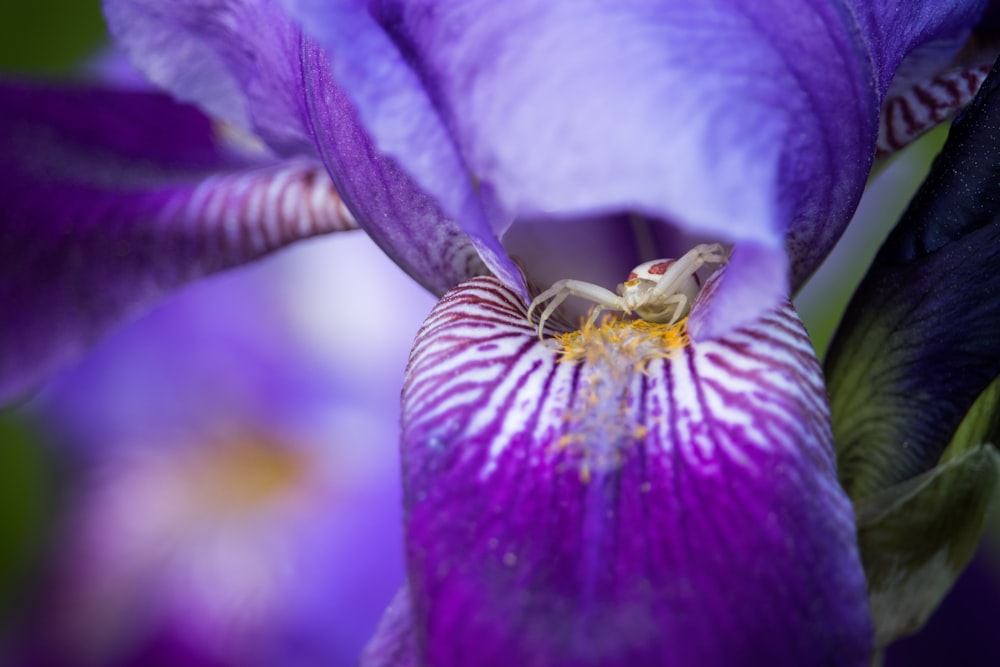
x: 556, y: 110
x: 113, y: 198
x: 643, y: 501
x: 438, y: 250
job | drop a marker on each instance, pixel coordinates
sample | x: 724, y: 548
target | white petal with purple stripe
x: 912, y: 109
x: 640, y: 500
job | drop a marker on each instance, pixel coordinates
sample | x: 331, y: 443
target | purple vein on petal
x: 912, y: 110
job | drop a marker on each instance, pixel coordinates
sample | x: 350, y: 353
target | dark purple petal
x: 111, y: 199
x: 623, y: 511
x: 238, y: 60
x: 736, y: 121
x: 921, y: 338
x: 913, y: 379
x: 963, y: 631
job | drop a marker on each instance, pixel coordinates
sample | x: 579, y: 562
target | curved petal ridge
x: 100, y: 218
x: 238, y: 60
x: 393, y: 106
x: 632, y: 507
x: 413, y: 228
x: 893, y: 35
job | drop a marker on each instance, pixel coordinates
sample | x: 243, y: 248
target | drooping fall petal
x: 113, y: 198
x: 645, y: 501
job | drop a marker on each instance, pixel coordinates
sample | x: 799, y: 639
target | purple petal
x: 237, y: 60
x: 405, y: 126
x: 220, y: 444
x: 393, y: 644
x: 680, y: 510
x: 247, y: 62
x: 408, y: 224
x: 565, y: 110
x: 112, y: 199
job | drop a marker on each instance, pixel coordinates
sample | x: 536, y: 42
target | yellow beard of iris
x: 622, y: 340
x: 601, y: 424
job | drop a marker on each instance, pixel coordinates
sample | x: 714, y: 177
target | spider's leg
x: 551, y: 308
x: 563, y: 289
x: 556, y: 288
x: 687, y: 266
x: 682, y: 301
x: 591, y: 292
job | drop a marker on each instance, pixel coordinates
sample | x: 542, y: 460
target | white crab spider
x: 658, y: 291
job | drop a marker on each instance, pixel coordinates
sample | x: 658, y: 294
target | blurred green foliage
x: 27, y: 481
x: 48, y: 36
x: 45, y: 37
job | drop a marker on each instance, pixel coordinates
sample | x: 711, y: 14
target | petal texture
x: 403, y: 219
x: 237, y: 60
x: 682, y: 510
x: 111, y: 199
x: 924, y: 105
x: 248, y: 63
x: 556, y: 110
x: 393, y: 644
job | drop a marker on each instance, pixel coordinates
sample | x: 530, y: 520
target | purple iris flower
x: 229, y: 504
x: 626, y: 493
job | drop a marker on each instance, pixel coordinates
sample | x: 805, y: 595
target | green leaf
x: 916, y: 537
